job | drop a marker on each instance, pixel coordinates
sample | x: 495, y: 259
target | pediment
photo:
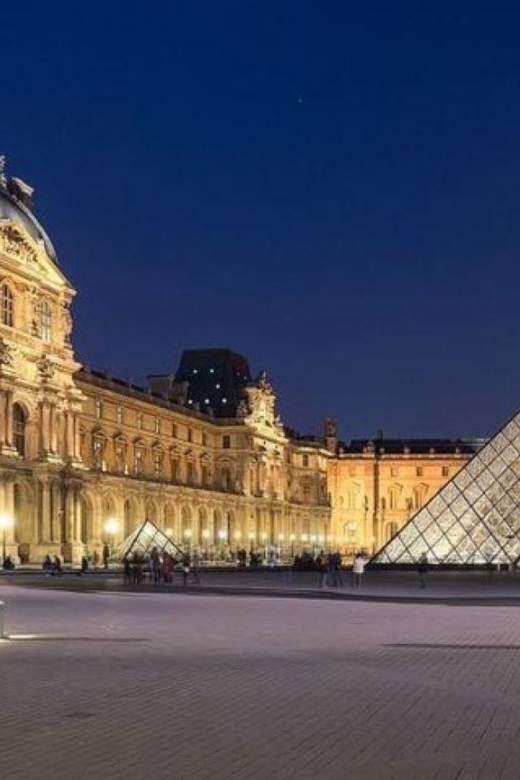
x: 27, y: 254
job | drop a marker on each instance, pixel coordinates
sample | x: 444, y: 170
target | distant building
x: 86, y: 457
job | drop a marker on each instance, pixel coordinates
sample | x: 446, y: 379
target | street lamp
x: 111, y: 528
x: 205, y: 536
x: 222, y: 536
x: 6, y: 521
x: 292, y: 537
x: 187, y: 535
x: 251, y: 540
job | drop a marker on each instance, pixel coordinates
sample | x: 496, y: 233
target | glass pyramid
x: 143, y: 540
x: 474, y: 518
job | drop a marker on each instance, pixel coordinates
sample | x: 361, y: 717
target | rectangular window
x: 204, y: 439
x: 445, y: 471
x: 45, y: 317
x: 7, y: 306
x: 305, y: 461
x: 419, y: 471
x: 226, y: 442
x: 190, y: 434
x: 394, y: 472
x: 174, y: 430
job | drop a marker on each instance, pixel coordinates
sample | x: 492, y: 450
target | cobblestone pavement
x: 475, y: 586
x: 140, y: 685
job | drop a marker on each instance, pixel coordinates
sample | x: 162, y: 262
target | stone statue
x: 3, y: 179
x: 6, y: 353
x: 331, y: 429
x: 45, y: 367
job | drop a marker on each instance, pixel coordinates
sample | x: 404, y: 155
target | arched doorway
x: 129, y: 516
x: 150, y: 510
x: 25, y: 533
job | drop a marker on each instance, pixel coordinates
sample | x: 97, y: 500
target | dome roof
x: 12, y: 208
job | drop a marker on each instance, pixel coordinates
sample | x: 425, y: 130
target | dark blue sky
x: 331, y: 189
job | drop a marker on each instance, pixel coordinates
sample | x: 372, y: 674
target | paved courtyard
x: 111, y: 684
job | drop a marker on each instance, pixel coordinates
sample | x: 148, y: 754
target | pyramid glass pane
x: 500, y: 442
x: 143, y: 540
x: 475, y: 518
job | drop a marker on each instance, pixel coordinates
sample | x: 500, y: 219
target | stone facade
x: 376, y: 486
x: 79, y: 448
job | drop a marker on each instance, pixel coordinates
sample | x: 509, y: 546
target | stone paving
x: 152, y: 685
x: 442, y: 586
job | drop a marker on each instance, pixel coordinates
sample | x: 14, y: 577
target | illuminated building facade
x: 202, y: 452
x: 474, y: 518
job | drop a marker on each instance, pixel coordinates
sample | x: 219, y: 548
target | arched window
x: 45, y: 317
x: 6, y: 305
x: 19, y: 429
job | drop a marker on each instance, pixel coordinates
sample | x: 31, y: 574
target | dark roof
x: 127, y: 388
x: 411, y: 446
x: 216, y: 379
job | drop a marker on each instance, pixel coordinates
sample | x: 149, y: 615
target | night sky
x: 330, y: 188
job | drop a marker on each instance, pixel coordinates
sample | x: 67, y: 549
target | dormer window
x: 6, y: 305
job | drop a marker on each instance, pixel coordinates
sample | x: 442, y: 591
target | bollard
x: 2, y: 614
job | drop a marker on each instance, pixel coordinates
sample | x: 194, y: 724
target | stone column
x: 69, y: 435
x: 44, y: 427
x: 9, y: 418
x: 46, y: 513
x: 76, y: 437
x: 3, y: 417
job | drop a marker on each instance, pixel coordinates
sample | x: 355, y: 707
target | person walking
x: 358, y: 569
x: 336, y: 569
x: 322, y: 568
x: 422, y: 567
x: 186, y: 565
x: 155, y: 566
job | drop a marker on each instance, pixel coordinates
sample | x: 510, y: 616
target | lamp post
x: 281, y: 538
x: 205, y: 536
x: 187, y: 535
x: 111, y: 528
x: 222, y: 536
x: 264, y: 540
x: 293, y: 537
x: 6, y: 521
x: 251, y: 540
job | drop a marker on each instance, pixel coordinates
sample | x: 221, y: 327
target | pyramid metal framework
x: 475, y: 517
x: 143, y: 540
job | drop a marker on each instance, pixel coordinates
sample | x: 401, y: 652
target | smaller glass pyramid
x: 474, y: 518
x: 143, y: 540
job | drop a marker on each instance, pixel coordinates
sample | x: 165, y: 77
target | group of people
x: 52, y: 565
x: 329, y: 568
x: 160, y: 567
x: 8, y: 563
